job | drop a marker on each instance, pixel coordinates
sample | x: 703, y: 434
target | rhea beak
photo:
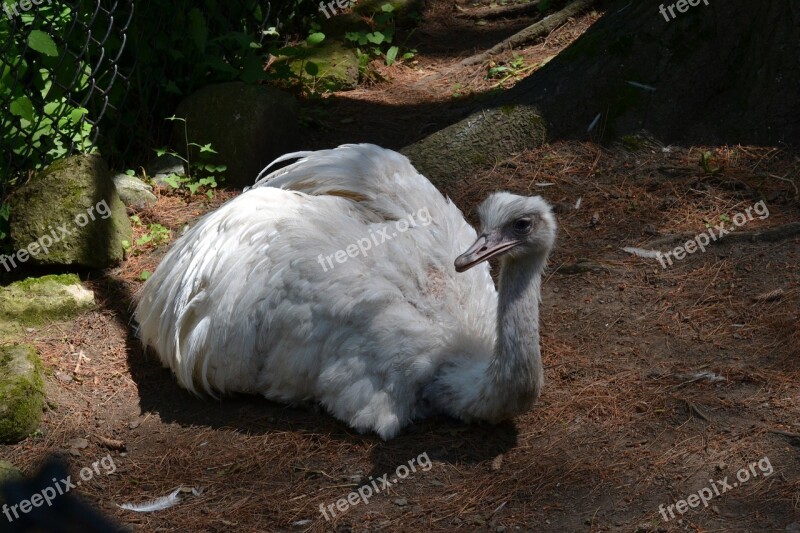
x: 486, y: 247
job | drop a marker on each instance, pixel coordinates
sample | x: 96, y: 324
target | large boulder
x: 21, y: 392
x: 69, y: 214
x: 247, y: 125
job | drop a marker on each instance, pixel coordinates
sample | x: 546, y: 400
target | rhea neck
x: 516, y: 367
x: 511, y: 381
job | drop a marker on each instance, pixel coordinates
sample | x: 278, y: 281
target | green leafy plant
x: 304, y: 78
x: 42, y: 117
x: 510, y: 70
x: 200, y: 174
x: 379, y: 42
x: 155, y: 235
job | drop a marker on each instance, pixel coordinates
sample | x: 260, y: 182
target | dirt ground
x: 661, y: 383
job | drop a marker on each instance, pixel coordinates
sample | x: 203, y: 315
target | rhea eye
x: 522, y: 226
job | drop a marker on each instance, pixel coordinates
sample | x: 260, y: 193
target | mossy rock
x: 35, y: 301
x: 69, y: 214
x: 8, y: 472
x: 478, y: 141
x: 337, y: 66
x: 21, y: 392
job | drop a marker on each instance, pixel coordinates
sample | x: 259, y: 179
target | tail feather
x: 377, y: 179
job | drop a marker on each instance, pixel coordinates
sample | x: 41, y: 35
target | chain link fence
x: 85, y: 74
x: 59, y: 78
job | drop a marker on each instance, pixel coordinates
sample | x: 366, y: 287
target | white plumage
x: 253, y: 298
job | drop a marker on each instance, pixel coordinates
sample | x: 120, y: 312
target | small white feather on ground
x: 641, y: 252
x: 159, y: 504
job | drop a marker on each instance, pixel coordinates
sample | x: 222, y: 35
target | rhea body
x: 252, y: 300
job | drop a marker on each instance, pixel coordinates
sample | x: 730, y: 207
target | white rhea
x: 333, y: 280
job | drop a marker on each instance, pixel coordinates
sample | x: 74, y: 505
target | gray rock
x: 21, y: 392
x: 248, y: 125
x: 133, y: 192
x: 164, y: 166
x: 69, y: 214
x: 78, y: 443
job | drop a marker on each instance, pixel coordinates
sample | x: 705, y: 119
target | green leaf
x: 172, y: 88
x: 315, y: 38
x: 252, y: 69
x: 77, y: 113
x: 172, y: 180
x: 375, y: 37
x: 22, y: 107
x: 42, y: 43
x: 387, y: 8
x: 289, y: 51
x: 312, y: 68
x: 198, y: 29
x: 145, y: 275
x: 356, y: 36
x: 391, y: 55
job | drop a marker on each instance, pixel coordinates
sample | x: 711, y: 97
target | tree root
x: 531, y: 33
x: 524, y: 36
x: 512, y: 11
